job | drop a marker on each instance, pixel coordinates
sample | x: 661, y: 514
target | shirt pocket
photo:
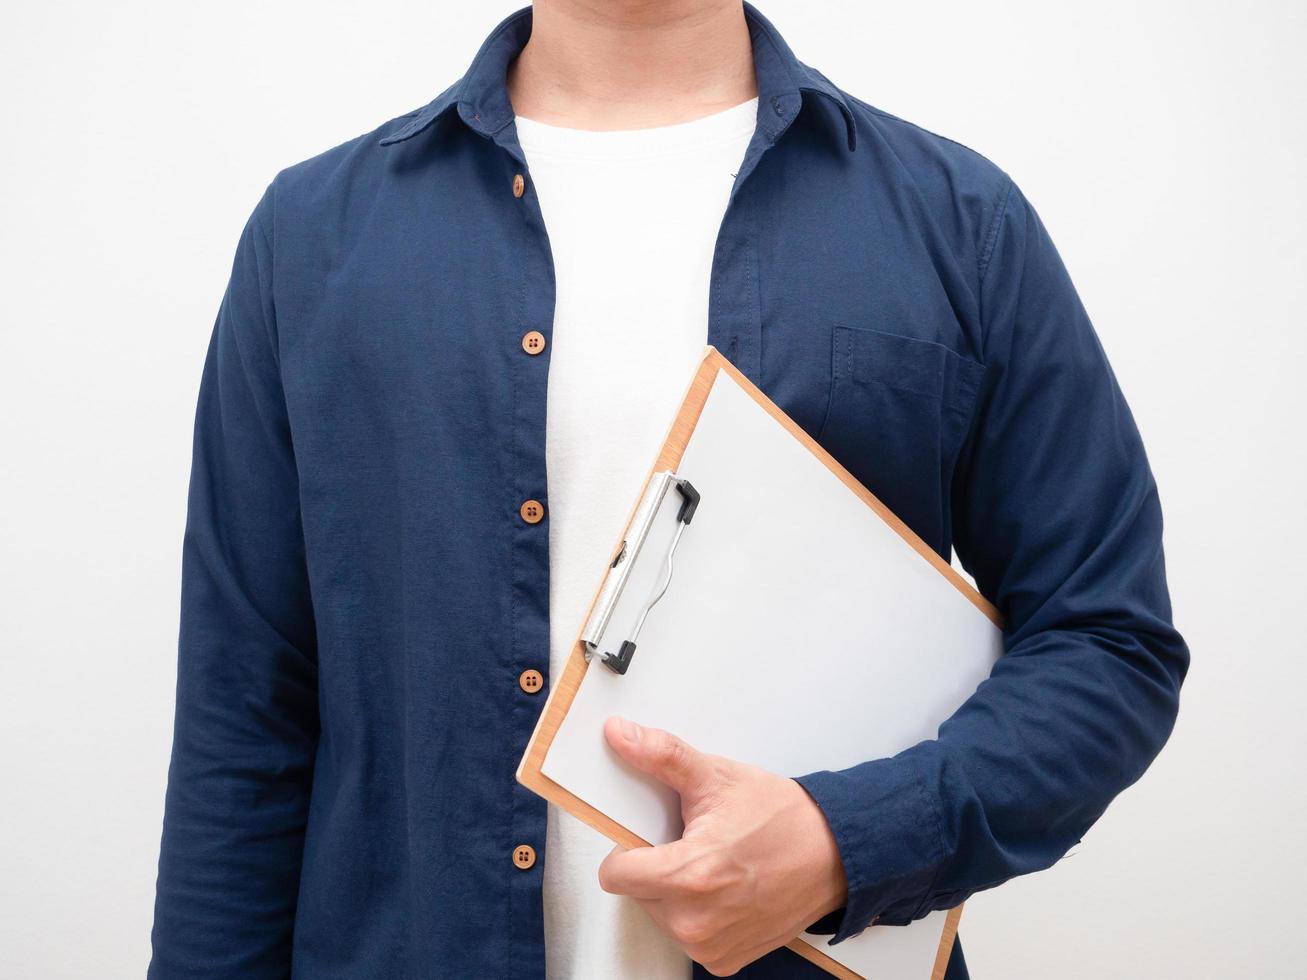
x: 899, y: 411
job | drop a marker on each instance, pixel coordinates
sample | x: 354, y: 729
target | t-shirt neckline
x: 734, y: 123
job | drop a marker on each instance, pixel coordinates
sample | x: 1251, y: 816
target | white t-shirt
x: 632, y: 218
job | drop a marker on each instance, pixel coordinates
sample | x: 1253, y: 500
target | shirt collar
x: 481, y: 96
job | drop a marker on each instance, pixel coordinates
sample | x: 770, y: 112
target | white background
x: 1165, y: 145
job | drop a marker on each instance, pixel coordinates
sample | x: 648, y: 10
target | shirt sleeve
x: 1056, y: 515
x: 246, y: 720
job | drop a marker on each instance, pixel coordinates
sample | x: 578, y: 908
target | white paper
x: 799, y: 633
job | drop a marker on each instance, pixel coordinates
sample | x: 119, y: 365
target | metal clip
x: 625, y: 560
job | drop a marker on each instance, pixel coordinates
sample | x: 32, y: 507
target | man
x: 446, y: 356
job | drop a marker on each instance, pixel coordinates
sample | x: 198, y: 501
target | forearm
x: 235, y: 817
x: 1014, y: 779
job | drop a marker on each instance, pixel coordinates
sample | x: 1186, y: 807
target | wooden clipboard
x: 564, y: 688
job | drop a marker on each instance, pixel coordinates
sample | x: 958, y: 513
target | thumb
x: 662, y: 755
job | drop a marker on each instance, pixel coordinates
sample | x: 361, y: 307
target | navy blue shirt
x: 360, y: 593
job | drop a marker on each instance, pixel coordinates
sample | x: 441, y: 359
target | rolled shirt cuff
x: 888, y: 830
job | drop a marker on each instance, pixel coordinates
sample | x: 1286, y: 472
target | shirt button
x: 524, y: 856
x: 532, y: 511
x: 533, y: 342
x: 519, y: 185
x: 530, y: 681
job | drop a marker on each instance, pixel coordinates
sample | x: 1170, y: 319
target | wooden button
x: 532, y: 511
x: 531, y: 681
x: 533, y: 342
x: 524, y: 856
x: 519, y: 185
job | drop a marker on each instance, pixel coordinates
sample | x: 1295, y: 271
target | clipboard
x: 749, y: 532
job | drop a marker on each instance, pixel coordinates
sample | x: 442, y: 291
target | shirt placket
x: 526, y: 509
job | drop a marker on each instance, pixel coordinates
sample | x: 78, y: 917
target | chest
x: 403, y: 348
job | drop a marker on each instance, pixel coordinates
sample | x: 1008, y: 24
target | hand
x: 755, y: 866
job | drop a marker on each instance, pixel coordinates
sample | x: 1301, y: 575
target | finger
x: 643, y: 872
x: 661, y: 754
